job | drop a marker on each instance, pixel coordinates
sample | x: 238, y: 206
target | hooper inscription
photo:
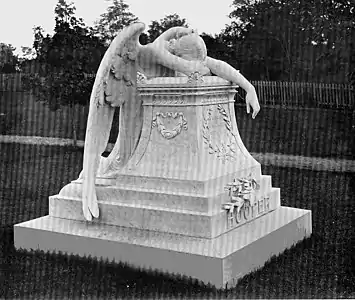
x: 244, y: 205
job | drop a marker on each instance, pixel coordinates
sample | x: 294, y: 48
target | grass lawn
x: 308, y: 132
x: 319, y: 267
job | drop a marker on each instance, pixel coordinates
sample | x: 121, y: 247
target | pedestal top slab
x: 184, y: 82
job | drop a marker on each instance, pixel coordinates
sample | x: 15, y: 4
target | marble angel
x: 179, y: 51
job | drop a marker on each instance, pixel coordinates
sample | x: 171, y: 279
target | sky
x: 18, y: 17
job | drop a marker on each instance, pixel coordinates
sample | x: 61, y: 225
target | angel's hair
x: 189, y: 47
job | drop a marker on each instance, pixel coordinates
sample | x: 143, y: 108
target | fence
x: 305, y: 94
x: 11, y: 82
x: 301, y: 94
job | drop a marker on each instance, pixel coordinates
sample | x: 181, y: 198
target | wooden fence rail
x: 305, y: 94
x: 301, y: 94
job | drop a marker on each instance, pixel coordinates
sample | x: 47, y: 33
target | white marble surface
x: 164, y: 219
x: 220, y: 247
x: 169, y: 103
x: 218, y: 261
x: 144, y: 192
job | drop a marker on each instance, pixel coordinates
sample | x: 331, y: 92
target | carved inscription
x: 248, y: 212
x: 158, y: 121
x: 244, y: 205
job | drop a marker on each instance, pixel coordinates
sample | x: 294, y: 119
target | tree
x: 156, y: 28
x: 8, y: 60
x: 113, y: 20
x: 291, y: 39
x: 67, y: 57
x: 217, y: 48
x: 265, y: 39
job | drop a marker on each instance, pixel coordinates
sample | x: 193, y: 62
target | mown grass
x: 313, y: 132
x: 308, y: 132
x: 319, y: 267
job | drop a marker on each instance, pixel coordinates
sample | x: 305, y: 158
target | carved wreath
x: 169, y: 134
x: 224, y: 151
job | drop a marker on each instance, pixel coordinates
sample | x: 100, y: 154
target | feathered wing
x: 115, y: 79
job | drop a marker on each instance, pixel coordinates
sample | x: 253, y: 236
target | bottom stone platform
x: 219, y: 261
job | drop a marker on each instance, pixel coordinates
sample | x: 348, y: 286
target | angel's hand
x: 252, y: 102
x: 202, y: 68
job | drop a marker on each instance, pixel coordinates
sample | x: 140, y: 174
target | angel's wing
x: 114, y: 83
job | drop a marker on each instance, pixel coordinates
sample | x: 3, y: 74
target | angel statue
x: 179, y: 51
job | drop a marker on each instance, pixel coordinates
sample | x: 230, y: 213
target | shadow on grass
x: 294, y: 274
x: 301, y: 271
x: 50, y: 274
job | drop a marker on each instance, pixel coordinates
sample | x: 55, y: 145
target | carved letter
x: 247, y: 211
x: 238, y: 215
x: 267, y: 203
x: 261, y: 206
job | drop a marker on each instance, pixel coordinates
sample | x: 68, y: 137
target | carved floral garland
x: 141, y: 78
x: 224, y: 151
x: 240, y: 191
x: 169, y: 134
x: 195, y: 77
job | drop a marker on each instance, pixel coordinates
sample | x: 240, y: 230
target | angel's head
x: 189, y: 47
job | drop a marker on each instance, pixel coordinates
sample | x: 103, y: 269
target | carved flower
x: 195, y: 77
x: 141, y: 78
x: 240, y: 192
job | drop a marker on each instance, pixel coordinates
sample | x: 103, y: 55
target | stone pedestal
x: 190, y: 200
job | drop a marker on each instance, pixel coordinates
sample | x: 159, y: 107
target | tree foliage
x: 217, y: 48
x: 65, y: 60
x: 113, y: 20
x: 156, y: 28
x: 8, y: 60
x: 292, y: 39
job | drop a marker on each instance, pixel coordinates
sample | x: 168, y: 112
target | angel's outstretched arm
x: 173, y: 33
x: 153, y: 54
x: 226, y: 71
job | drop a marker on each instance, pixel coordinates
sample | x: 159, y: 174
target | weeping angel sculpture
x: 177, y: 52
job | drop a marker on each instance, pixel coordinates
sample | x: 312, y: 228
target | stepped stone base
x: 190, y: 199
x: 220, y: 261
